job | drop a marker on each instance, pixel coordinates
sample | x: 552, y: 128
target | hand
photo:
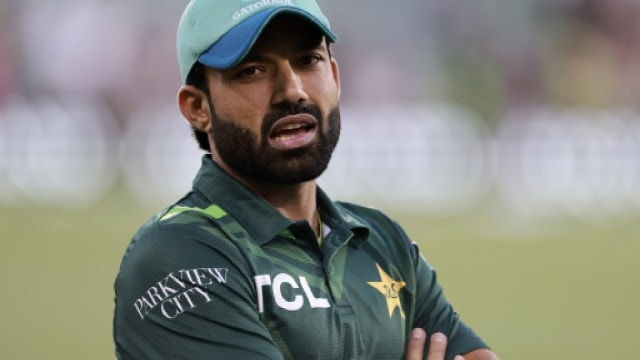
x: 437, y: 346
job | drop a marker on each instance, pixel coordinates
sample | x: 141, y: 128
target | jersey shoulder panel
x: 185, y: 288
x: 177, y: 238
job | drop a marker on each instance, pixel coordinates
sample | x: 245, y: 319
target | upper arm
x: 183, y: 292
x: 435, y: 314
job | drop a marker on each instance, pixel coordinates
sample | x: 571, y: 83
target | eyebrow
x: 311, y: 42
x: 251, y: 57
x: 305, y: 44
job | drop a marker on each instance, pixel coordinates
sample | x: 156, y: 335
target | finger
x: 437, y: 346
x: 416, y: 344
x: 458, y: 357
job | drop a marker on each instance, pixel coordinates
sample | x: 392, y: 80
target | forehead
x: 288, y: 30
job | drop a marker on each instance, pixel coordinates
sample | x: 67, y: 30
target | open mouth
x: 293, y: 131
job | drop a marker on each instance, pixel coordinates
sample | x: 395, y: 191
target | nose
x: 289, y: 87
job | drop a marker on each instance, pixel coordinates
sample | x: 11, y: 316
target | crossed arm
x: 438, y: 346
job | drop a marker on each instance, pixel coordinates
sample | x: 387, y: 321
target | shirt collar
x: 220, y: 188
x: 337, y: 217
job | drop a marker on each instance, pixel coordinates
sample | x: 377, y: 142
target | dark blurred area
x: 529, y: 104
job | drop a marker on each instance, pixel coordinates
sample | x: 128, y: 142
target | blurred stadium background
x: 504, y: 136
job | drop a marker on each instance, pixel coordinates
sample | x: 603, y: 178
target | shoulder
x: 177, y: 238
x: 175, y: 226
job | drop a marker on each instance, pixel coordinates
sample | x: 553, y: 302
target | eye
x: 310, y: 59
x: 248, y: 71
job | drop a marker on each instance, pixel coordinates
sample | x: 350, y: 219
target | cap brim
x: 233, y: 46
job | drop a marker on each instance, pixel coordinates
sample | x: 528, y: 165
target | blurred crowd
x: 446, y: 103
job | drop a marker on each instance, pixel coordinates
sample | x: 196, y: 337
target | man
x: 256, y: 262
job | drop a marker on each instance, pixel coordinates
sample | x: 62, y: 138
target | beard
x: 241, y: 149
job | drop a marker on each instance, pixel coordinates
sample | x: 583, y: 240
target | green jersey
x: 223, y: 275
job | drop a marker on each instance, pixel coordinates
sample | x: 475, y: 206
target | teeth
x: 285, y: 137
x: 292, y: 127
x: 283, y: 133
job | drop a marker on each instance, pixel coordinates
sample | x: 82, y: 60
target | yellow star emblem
x: 390, y: 289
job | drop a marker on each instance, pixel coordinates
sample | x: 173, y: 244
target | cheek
x: 240, y: 104
x: 240, y: 111
x: 328, y: 96
x: 331, y: 86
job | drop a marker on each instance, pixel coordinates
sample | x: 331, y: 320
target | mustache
x: 271, y: 117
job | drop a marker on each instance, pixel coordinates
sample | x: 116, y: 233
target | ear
x: 194, y: 106
x: 336, y: 73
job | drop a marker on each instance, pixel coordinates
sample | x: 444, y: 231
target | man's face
x: 275, y: 116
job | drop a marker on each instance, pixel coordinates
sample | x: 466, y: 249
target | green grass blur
x: 558, y: 291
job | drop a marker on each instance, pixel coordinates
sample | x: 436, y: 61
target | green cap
x: 220, y: 33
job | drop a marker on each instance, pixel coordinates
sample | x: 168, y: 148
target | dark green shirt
x: 223, y: 275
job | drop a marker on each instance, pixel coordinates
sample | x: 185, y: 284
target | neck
x: 294, y: 201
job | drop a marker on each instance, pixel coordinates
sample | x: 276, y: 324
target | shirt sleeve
x: 184, y: 292
x: 435, y: 314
